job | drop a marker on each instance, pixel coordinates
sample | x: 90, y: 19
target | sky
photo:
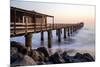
x: 63, y: 13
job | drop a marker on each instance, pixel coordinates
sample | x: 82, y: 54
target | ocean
x: 82, y: 41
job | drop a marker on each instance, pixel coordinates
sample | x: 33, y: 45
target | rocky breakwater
x: 20, y: 56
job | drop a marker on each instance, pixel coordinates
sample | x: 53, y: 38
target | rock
x: 35, y: 55
x: 56, y: 58
x: 73, y: 60
x: 15, y: 44
x: 41, y: 63
x: 41, y: 57
x: 66, y: 57
x: 44, y: 51
x: 28, y: 61
x: 24, y: 60
x: 38, y: 57
x: 78, y: 56
x: 88, y: 57
x: 15, y: 52
x: 19, y: 55
x: 19, y: 47
x: 14, y: 58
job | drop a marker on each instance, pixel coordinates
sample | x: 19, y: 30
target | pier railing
x: 24, y: 28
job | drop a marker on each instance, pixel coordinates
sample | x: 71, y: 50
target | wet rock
x: 88, y: 57
x: 44, y: 51
x: 28, y: 61
x: 14, y: 52
x: 78, y: 56
x: 14, y: 58
x: 20, y: 48
x: 56, y: 58
x: 41, y: 56
x: 19, y: 55
x: 15, y: 44
x: 41, y: 63
x: 35, y: 55
x: 66, y: 57
x: 38, y: 57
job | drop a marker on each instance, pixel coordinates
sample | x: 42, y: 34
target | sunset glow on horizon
x: 62, y: 13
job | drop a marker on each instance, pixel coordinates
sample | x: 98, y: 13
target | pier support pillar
x: 64, y: 33
x: 68, y: 29
x: 59, y: 35
x: 42, y: 36
x: 71, y: 30
x: 28, y: 40
x: 74, y: 28
x: 49, y: 39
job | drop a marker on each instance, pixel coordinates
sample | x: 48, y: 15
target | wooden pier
x: 25, y: 23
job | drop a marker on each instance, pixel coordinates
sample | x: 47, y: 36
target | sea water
x: 82, y: 41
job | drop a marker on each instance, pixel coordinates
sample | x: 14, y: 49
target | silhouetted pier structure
x: 25, y: 22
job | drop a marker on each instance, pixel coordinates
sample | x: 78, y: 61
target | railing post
x: 45, y: 21
x: 42, y: 22
x: 26, y: 29
x: 35, y: 22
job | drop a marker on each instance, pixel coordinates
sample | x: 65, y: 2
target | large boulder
x: 14, y: 58
x: 19, y: 55
x: 88, y: 57
x: 66, y: 57
x: 44, y: 51
x: 56, y: 58
x: 20, y: 48
x: 37, y: 56
x: 27, y: 61
x: 78, y: 56
x: 15, y: 49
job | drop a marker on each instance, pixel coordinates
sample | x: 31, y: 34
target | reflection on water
x: 81, y: 41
